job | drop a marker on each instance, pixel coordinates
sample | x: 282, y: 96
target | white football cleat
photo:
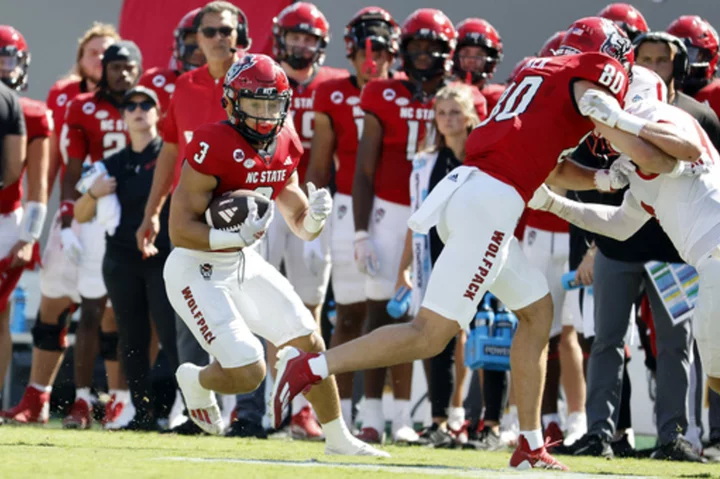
x: 353, y: 447
x: 405, y: 435
x: 203, y: 412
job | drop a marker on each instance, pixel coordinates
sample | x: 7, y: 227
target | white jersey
x: 687, y: 208
x: 645, y: 84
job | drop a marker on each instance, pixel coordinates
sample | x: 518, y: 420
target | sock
x: 319, y: 366
x: 577, y: 418
x: 299, y: 403
x: 401, y: 410
x: 456, y: 418
x: 336, y: 432
x: 512, y: 411
x: 548, y: 418
x: 121, y: 395
x: 346, y: 408
x: 41, y: 388
x: 84, y: 394
x: 534, y: 438
x: 373, y: 415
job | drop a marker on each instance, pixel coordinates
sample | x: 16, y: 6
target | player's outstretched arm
x: 321, y: 153
x: 305, y: 215
x: 187, y: 226
x: 368, y: 155
x: 616, y: 222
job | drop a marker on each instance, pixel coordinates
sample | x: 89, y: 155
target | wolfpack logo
x: 337, y: 97
x: 379, y: 215
x: 88, y: 108
x: 158, y: 81
x: 102, y: 114
x: 247, y: 62
x: 249, y: 163
x: 342, y: 211
x: 206, y: 270
x: 61, y: 99
x: 616, y: 46
x: 239, y: 155
x: 389, y: 94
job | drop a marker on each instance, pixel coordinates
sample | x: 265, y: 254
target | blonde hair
x: 95, y: 31
x: 463, y: 95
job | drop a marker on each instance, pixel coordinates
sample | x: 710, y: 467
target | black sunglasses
x: 145, y: 105
x: 210, y: 32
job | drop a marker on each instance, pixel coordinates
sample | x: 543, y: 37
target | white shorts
x: 549, y: 252
x: 388, y: 227
x: 707, y: 314
x: 9, y: 231
x: 481, y: 253
x: 281, y: 244
x: 90, y: 279
x: 58, y: 275
x: 224, y: 301
x: 348, y: 282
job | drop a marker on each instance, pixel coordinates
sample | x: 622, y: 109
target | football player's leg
x: 707, y: 326
x: 309, y: 273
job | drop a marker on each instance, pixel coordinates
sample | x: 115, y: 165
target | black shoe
x: 712, y: 450
x: 678, y: 450
x: 485, y: 440
x: 188, y: 428
x: 435, y: 436
x: 588, y: 445
x: 622, y: 447
x: 244, y: 428
x: 146, y: 425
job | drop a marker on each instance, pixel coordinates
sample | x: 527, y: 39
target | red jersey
x: 219, y: 150
x: 38, y: 124
x: 59, y: 96
x: 481, y: 105
x: 492, y: 93
x: 406, y: 122
x: 93, y: 128
x: 195, y: 102
x: 536, y: 122
x: 162, y: 82
x: 302, y: 111
x: 710, y: 94
x: 339, y: 99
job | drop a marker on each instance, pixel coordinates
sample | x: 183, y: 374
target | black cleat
x: 678, y: 450
x: 588, y: 445
x: 243, y: 428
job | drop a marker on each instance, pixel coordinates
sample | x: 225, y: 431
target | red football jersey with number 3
x: 219, y: 150
x: 536, y: 121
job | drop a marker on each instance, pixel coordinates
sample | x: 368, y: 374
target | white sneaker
x: 509, y: 429
x: 576, y: 427
x: 203, y: 412
x: 176, y: 416
x: 127, y: 413
x: 405, y: 434
x: 353, y: 447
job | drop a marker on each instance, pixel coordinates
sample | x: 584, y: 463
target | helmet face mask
x: 302, y: 49
x: 14, y: 58
x: 427, y: 44
x: 702, y: 43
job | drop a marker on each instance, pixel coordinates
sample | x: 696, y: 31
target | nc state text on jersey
x: 410, y: 113
x: 270, y: 176
x: 112, y: 125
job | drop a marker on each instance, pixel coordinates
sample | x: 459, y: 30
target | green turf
x: 28, y: 452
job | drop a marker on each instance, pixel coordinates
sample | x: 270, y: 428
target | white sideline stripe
x: 428, y: 470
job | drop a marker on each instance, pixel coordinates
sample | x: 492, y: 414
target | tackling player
x: 477, y: 206
x: 225, y: 291
x: 371, y: 43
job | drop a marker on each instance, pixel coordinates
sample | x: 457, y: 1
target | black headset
x: 243, y: 38
x: 681, y: 62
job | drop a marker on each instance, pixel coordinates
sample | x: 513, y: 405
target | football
x: 228, y: 211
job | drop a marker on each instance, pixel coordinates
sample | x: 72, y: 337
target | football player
x: 225, y: 291
x: 551, y: 44
x: 627, y: 17
x: 301, y: 34
x: 21, y: 226
x: 94, y: 129
x: 479, y: 52
x: 477, y: 206
x: 56, y: 305
x: 371, y: 43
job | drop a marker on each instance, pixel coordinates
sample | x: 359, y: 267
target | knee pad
x: 554, y: 348
x: 52, y: 337
x: 109, y: 346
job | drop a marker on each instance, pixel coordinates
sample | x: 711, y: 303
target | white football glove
x: 72, y: 248
x: 254, y: 226
x: 315, y: 258
x: 600, y: 106
x: 541, y: 200
x: 616, y: 177
x: 320, y: 207
x: 685, y: 168
x: 365, y: 255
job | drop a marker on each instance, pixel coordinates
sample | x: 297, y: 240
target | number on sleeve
x: 515, y: 100
x: 266, y: 191
x: 113, y: 142
x: 612, y: 78
x: 199, y: 157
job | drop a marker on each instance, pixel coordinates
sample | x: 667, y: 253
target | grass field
x: 29, y: 452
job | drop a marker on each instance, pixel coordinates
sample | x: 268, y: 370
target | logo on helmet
x: 615, y: 45
x: 246, y: 63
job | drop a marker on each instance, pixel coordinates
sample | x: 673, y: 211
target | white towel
x: 107, y: 210
x: 428, y: 215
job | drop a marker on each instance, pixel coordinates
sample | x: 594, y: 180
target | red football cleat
x: 33, y: 408
x: 304, y: 426
x: 294, y: 376
x: 80, y: 416
x: 369, y: 435
x: 524, y: 458
x: 554, y: 434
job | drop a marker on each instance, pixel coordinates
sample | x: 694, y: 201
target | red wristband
x: 67, y: 208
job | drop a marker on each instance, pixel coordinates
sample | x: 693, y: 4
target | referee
x: 12, y: 137
x: 135, y: 280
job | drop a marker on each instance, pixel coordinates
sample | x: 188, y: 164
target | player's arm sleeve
x: 605, y: 72
x: 170, y: 133
x: 368, y: 98
x: 73, y: 139
x: 615, y: 222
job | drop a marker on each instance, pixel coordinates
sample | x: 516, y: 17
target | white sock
x: 336, y: 432
x: 577, y: 418
x: 373, y: 415
x: 41, y: 388
x: 456, y: 418
x: 84, y: 394
x: 534, y: 438
x: 401, y: 409
x: 121, y: 395
x: 299, y: 403
x: 548, y: 418
x: 512, y: 411
x: 319, y: 366
x: 346, y: 409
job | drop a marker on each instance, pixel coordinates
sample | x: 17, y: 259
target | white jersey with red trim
x: 645, y: 84
x: 687, y: 208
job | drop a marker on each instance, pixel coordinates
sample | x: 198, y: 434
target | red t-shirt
x: 162, y: 82
x: 219, y: 150
x: 59, y: 96
x: 538, y: 122
x: 93, y: 128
